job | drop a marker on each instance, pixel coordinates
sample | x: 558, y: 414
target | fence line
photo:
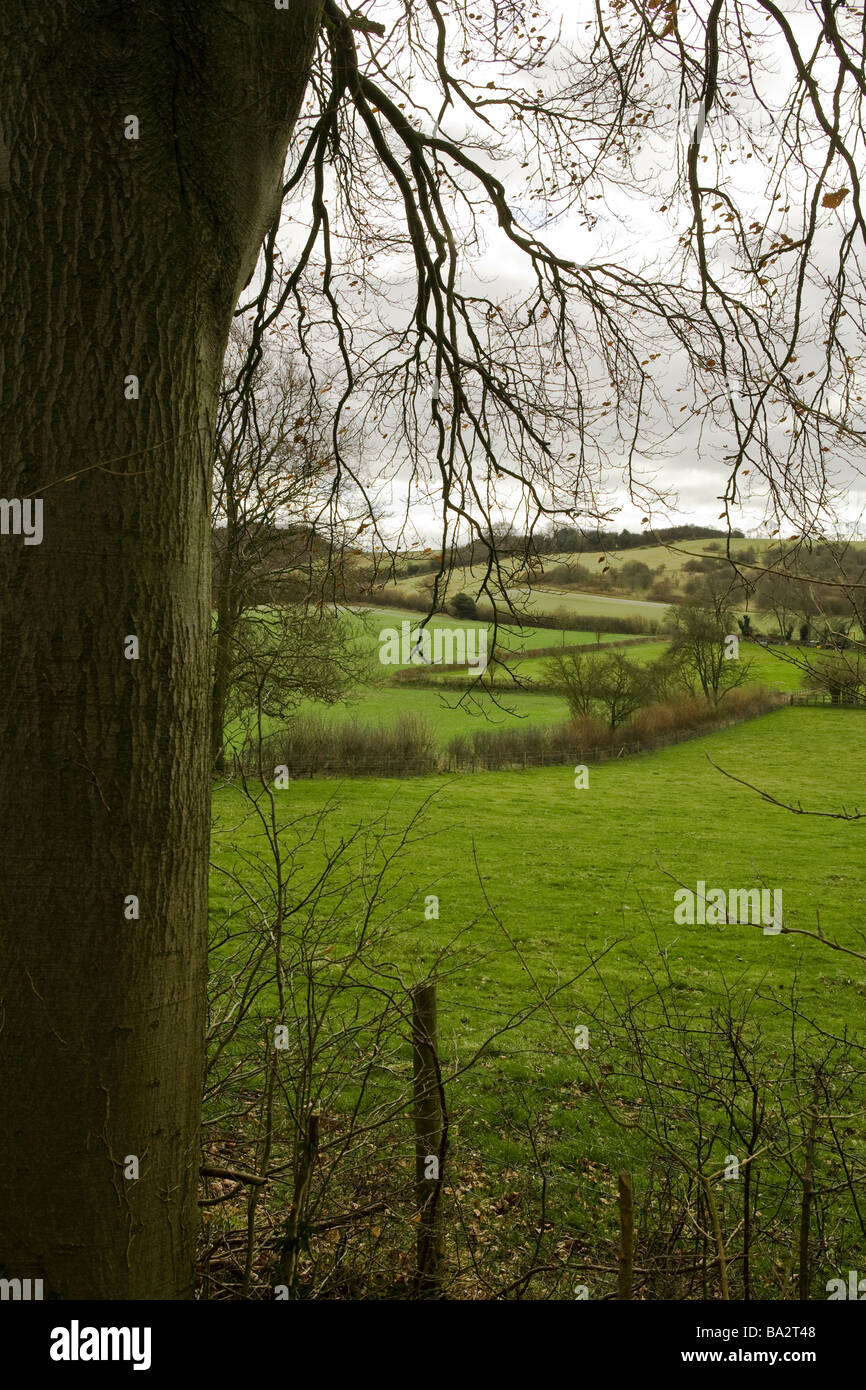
x: 823, y: 697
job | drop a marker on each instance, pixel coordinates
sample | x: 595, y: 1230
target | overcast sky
x: 631, y: 229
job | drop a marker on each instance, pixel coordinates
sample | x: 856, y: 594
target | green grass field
x: 570, y: 869
x: 546, y: 888
x: 445, y: 712
x: 371, y: 621
x: 379, y: 701
x: 454, y: 709
x: 541, y: 600
x: 773, y: 667
x: 665, y: 563
x: 550, y: 600
x: 535, y: 878
x: 671, y: 561
x: 574, y: 872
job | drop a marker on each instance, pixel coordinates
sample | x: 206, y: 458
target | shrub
x: 310, y: 746
x: 635, y: 575
x: 462, y: 606
x: 588, y: 738
x: 664, y: 591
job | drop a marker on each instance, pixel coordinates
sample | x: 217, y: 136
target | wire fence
x: 842, y: 700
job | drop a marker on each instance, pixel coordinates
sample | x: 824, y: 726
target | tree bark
x: 118, y: 257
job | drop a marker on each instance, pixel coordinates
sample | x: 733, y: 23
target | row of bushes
x: 560, y: 647
x: 561, y: 619
x: 581, y: 622
x: 632, y: 574
x: 588, y: 739
x: 312, y: 746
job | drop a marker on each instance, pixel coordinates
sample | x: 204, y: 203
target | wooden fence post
x: 626, y: 1236
x: 287, y: 1265
x: 805, y: 1210
x: 429, y: 1140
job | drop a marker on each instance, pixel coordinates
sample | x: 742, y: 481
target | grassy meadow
x: 543, y: 886
x: 569, y: 869
x: 543, y: 904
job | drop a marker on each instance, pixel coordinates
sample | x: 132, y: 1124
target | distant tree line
x: 569, y: 539
x: 566, y: 540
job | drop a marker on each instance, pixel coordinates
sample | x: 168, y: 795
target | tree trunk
x: 119, y: 257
